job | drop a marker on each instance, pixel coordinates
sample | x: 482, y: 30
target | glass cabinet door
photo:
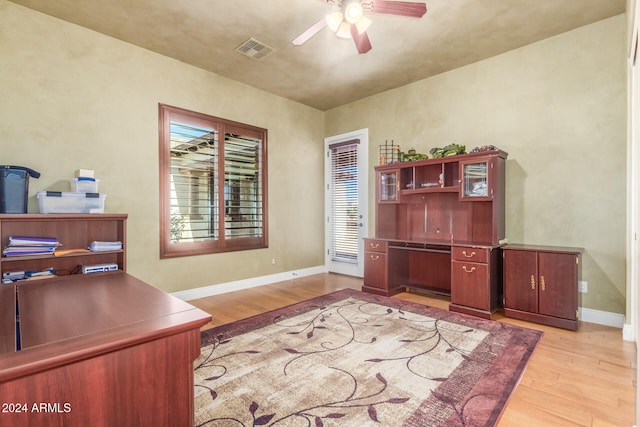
x: 388, y: 186
x: 475, y: 180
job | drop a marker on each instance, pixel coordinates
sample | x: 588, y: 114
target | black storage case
x: 14, y: 188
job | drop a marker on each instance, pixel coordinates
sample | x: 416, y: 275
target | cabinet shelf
x: 73, y: 231
x: 430, y: 190
x: 53, y: 257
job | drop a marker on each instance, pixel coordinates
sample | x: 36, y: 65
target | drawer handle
x: 374, y: 257
x: 469, y: 256
x: 464, y: 267
x: 374, y: 245
x: 533, y: 282
x: 542, y: 285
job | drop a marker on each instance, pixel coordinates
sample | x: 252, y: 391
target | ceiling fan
x: 350, y: 21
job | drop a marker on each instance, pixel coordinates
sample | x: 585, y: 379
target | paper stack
x: 22, y: 245
x: 105, y: 246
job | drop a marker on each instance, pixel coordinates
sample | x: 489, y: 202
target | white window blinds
x: 344, y: 202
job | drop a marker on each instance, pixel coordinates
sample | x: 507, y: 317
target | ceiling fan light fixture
x: 363, y: 24
x: 344, y: 31
x: 353, y: 12
x: 334, y: 20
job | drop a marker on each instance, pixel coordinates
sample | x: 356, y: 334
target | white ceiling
x: 326, y: 71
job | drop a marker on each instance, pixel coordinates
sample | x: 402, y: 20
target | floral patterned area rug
x: 356, y: 359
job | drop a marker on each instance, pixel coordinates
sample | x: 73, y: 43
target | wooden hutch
x: 439, y: 227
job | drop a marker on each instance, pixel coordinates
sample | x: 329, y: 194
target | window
x: 213, y: 182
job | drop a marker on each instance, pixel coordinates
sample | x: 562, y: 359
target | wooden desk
x: 468, y: 273
x: 439, y: 228
x: 100, y: 350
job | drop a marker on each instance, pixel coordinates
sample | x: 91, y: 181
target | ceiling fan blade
x: 401, y: 8
x: 310, y: 32
x: 361, y: 40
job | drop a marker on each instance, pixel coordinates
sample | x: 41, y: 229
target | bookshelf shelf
x: 73, y: 231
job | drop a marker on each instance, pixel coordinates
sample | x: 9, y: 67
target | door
x: 346, y: 166
x: 521, y: 280
x: 558, y: 277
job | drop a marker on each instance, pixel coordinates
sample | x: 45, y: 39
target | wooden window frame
x: 223, y: 243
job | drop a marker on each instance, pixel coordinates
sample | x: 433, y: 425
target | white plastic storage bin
x: 81, y: 185
x: 61, y: 202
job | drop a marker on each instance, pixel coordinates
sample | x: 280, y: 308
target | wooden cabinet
x: 388, y: 188
x: 376, y: 276
x: 7, y: 318
x: 74, y: 231
x: 446, y: 200
x: 475, y: 280
x: 429, y: 213
x: 541, y: 284
x: 477, y: 179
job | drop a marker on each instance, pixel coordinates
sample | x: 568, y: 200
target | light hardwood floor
x: 583, y: 378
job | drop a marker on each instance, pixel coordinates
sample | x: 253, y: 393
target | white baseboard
x: 253, y: 282
x: 628, y: 332
x: 599, y: 317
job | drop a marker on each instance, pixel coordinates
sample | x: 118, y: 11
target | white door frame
x: 633, y: 197
x: 363, y: 191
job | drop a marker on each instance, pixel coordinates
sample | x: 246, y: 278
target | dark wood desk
x: 467, y: 272
x: 100, y: 350
x: 439, y: 228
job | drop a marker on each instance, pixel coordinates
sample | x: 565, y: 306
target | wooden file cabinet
x: 376, y: 276
x: 475, y: 280
x: 541, y: 284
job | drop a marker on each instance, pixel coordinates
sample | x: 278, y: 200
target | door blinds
x: 344, y: 218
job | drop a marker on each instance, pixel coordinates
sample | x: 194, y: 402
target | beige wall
x: 558, y: 107
x: 72, y: 98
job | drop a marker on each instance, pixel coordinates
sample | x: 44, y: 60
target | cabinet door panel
x: 558, y: 285
x: 476, y: 179
x: 470, y: 285
x: 521, y: 280
x: 375, y: 270
x: 388, y: 186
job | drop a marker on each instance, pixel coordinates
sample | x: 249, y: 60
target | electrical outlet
x: 582, y: 286
x: 273, y: 261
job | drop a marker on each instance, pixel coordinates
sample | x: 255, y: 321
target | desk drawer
x: 375, y: 245
x: 375, y: 270
x: 470, y: 285
x: 470, y: 254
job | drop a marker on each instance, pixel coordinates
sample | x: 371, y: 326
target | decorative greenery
x: 411, y: 155
x: 449, y: 150
x: 177, y: 227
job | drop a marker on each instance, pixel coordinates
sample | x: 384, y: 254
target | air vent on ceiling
x: 254, y: 49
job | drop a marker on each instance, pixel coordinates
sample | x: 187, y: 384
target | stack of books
x: 105, y: 246
x: 21, y: 245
